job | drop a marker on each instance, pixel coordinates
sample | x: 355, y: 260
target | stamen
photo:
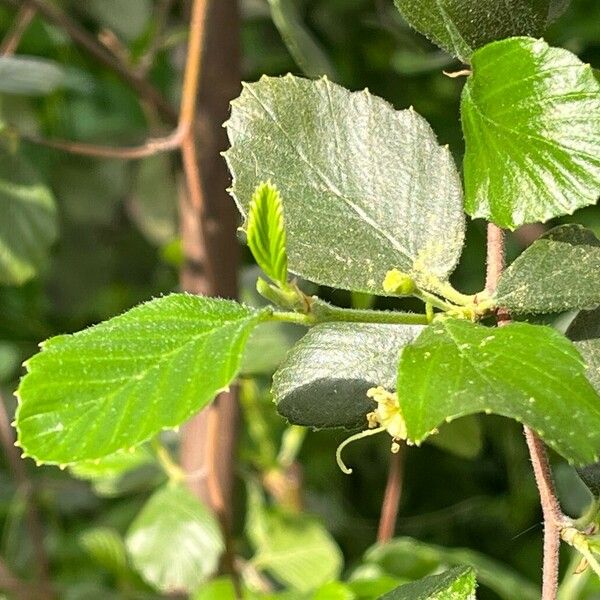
x: 352, y: 438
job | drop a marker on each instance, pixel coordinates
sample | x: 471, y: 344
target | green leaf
x: 324, y: 380
x: 456, y: 584
x: 584, y: 331
x: 334, y: 590
x: 175, y: 542
x: 300, y: 42
x: 462, y: 437
x: 461, y: 26
x: 28, y: 226
x: 107, y: 548
x: 268, y: 346
x: 265, y: 231
x: 525, y: 372
x: 531, y: 120
x: 365, y: 188
x: 558, y: 272
x: 297, y: 551
x: 218, y: 589
x: 117, y: 384
x: 128, y: 20
x: 152, y: 203
x: 32, y: 76
x: 401, y: 553
x: 113, y: 465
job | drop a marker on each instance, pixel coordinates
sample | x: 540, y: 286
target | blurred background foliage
x: 108, y: 240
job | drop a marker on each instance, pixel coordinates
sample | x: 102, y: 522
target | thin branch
x: 34, y: 525
x: 85, y: 40
x: 20, y: 25
x: 149, y: 148
x: 215, y: 490
x: 392, y: 496
x: 553, y: 516
x: 182, y: 137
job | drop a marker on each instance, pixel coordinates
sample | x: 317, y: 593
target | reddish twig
x: 13, y: 37
x: 183, y: 134
x: 101, y: 53
x: 553, y: 516
x: 392, y: 496
x: 148, y: 148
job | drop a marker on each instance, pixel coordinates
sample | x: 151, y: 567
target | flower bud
x: 399, y: 283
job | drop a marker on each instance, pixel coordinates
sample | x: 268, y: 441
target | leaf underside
x: 324, y: 380
x: 558, y: 272
x: 117, y: 384
x: 584, y: 331
x: 365, y: 188
x: 531, y: 120
x: 525, y: 372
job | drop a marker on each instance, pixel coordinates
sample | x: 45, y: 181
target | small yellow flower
x: 387, y: 414
x: 386, y: 417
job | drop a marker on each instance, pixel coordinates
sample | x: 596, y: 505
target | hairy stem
x: 392, y: 496
x: 551, y: 510
x: 349, y: 315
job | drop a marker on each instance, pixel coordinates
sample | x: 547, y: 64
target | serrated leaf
x: 299, y: 40
x: 117, y: 384
x: 558, y: 272
x: 29, y: 225
x: 531, y: 120
x: 456, y: 584
x: 175, y: 542
x: 265, y: 232
x: 324, y: 380
x: 401, y: 555
x: 297, y: 551
x: 365, y: 188
x: 107, y: 548
x: 462, y: 26
x: 525, y: 372
x: 584, y: 331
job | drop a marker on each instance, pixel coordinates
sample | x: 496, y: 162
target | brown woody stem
x: 392, y: 496
x: 553, y: 516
